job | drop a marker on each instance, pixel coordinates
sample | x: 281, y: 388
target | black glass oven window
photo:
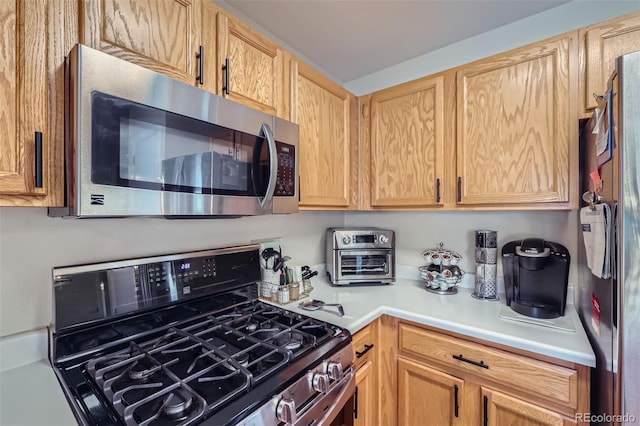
x: 361, y: 264
x: 135, y: 145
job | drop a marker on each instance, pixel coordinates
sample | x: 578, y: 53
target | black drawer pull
x: 225, y: 68
x: 355, y: 404
x: 470, y: 361
x: 437, y: 190
x: 485, y: 411
x: 459, y: 189
x: 367, y: 348
x: 200, y: 57
x: 39, y: 160
x: 455, y: 402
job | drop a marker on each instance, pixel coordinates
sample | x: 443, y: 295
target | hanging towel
x: 596, y: 232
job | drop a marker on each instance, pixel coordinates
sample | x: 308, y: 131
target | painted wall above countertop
x: 31, y: 243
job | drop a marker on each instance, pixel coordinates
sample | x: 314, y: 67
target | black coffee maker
x: 536, y: 274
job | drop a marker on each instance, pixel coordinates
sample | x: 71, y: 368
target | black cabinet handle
x: 38, y: 177
x: 470, y: 361
x: 455, y: 400
x: 367, y: 348
x: 438, y: 190
x: 459, y: 189
x: 200, y: 56
x: 485, y: 413
x: 355, y: 404
x: 225, y: 68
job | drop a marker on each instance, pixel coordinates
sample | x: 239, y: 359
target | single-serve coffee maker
x: 486, y: 265
x: 536, y: 274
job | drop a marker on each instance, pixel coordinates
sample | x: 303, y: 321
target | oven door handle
x: 327, y: 408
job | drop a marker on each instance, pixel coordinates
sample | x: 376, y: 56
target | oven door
x: 365, y: 265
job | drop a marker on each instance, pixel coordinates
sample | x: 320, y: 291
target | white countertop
x: 459, y: 313
x: 31, y: 395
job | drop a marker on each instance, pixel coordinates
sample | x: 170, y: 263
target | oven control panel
x: 175, y: 278
x: 88, y: 293
x: 286, y: 178
x: 360, y: 238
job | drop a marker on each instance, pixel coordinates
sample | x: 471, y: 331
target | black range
x: 182, y: 339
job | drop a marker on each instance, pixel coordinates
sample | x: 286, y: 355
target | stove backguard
x: 87, y: 294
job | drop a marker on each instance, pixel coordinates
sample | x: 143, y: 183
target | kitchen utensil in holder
x: 486, y: 251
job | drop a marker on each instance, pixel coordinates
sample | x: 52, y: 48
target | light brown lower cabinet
x: 501, y: 409
x: 441, y: 378
x: 427, y: 396
x: 365, y: 353
x: 365, y: 404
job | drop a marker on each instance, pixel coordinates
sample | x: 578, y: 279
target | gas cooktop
x: 206, y: 357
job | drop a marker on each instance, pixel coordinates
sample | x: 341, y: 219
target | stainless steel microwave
x: 139, y: 143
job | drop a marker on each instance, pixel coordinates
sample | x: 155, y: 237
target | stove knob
x: 320, y: 382
x: 286, y: 411
x: 334, y: 369
x: 346, y: 239
x: 383, y: 239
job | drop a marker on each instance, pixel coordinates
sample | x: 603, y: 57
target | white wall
x: 417, y: 231
x: 567, y: 17
x: 31, y: 244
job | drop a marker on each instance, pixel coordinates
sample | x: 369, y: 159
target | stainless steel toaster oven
x: 360, y: 256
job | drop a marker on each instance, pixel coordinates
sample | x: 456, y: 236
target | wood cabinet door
x: 427, y: 396
x: 604, y: 43
x: 326, y: 114
x: 500, y: 409
x: 366, y: 402
x: 24, y: 99
x: 251, y: 66
x: 163, y: 35
x: 407, y: 144
x: 516, y: 128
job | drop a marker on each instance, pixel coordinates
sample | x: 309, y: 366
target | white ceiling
x: 350, y: 39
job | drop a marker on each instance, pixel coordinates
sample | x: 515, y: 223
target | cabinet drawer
x: 536, y: 377
x: 364, y: 345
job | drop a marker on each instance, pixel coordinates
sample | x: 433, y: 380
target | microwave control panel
x: 286, y: 178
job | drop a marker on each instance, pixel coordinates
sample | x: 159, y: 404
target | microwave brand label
x: 97, y: 200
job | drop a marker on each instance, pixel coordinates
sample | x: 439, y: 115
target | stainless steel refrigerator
x: 610, y: 307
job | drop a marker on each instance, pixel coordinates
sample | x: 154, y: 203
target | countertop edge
x: 492, y: 337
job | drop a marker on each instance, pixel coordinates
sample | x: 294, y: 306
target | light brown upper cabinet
x: 604, y: 42
x: 516, y: 127
x: 31, y: 150
x: 160, y: 35
x: 250, y: 67
x: 326, y: 114
x: 406, y: 164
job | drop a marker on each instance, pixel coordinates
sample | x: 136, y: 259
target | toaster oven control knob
x: 286, y: 410
x: 334, y: 369
x: 384, y: 239
x: 320, y: 382
x: 346, y: 239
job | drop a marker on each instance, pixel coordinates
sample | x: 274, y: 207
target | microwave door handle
x: 273, y: 160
